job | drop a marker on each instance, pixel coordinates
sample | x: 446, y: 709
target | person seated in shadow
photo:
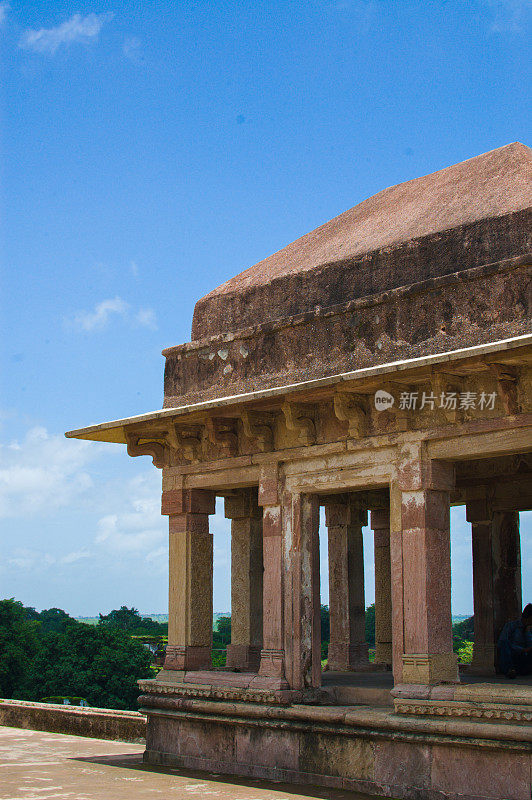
x: 514, y: 646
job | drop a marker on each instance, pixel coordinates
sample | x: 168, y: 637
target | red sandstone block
x: 264, y: 747
x: 402, y: 765
x: 486, y: 774
x: 425, y: 509
x: 179, y: 501
x: 193, y: 523
x: 272, y: 521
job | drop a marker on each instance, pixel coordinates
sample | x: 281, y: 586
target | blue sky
x: 149, y: 152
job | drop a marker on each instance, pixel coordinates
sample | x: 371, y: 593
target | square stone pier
x: 381, y: 368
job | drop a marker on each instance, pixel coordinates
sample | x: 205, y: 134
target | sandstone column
x: 348, y: 649
x: 421, y: 500
x: 272, y: 657
x: 190, y: 596
x: 246, y: 579
x: 380, y: 523
x: 302, y: 590
x: 496, y: 578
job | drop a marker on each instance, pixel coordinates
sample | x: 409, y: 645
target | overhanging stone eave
x: 115, y: 430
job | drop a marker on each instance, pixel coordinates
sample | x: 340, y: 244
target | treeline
x: 49, y: 654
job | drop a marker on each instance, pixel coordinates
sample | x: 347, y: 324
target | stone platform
x: 448, y: 742
x: 36, y: 766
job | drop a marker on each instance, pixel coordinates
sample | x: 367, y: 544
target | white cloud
x: 137, y: 527
x: 76, y: 29
x: 77, y: 555
x: 26, y: 559
x: 99, y: 318
x: 146, y: 317
x: 509, y: 16
x: 4, y: 8
x: 132, y: 49
x: 43, y: 473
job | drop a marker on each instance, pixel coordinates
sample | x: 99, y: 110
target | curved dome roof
x: 362, y: 251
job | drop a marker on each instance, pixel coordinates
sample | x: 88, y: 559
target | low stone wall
x: 361, y: 749
x: 98, y: 723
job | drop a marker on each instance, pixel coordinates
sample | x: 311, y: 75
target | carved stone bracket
x: 153, y: 448
x: 222, y: 433
x: 297, y: 419
x: 444, y: 385
x: 400, y: 414
x: 506, y: 378
x: 349, y: 408
x: 259, y: 426
x: 187, y: 440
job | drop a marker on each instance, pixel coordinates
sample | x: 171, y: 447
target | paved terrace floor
x: 52, y: 766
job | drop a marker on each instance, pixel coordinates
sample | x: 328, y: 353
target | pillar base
x: 430, y: 668
x: 272, y: 664
x: 187, y: 657
x: 244, y: 657
x: 348, y: 658
x: 484, y: 657
x: 383, y: 653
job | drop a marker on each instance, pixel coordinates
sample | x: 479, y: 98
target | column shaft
x: 424, y: 488
x: 246, y: 580
x: 496, y: 579
x: 348, y: 649
x: 272, y: 657
x: 380, y: 523
x: 190, y: 579
x: 302, y: 591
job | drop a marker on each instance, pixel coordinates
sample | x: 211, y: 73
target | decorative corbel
x: 153, y: 448
x: 525, y: 389
x: 401, y: 414
x: 258, y: 426
x: 187, y: 440
x: 297, y: 419
x: 506, y: 378
x: 348, y: 408
x: 442, y: 385
x: 221, y: 432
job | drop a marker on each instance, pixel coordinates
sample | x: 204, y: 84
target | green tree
x: 98, y: 663
x: 54, y: 620
x: 18, y: 642
x: 325, y: 624
x: 222, y: 634
x: 463, y: 634
x: 370, y: 625
x: 129, y: 620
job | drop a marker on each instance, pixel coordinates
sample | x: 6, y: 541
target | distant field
x: 155, y: 617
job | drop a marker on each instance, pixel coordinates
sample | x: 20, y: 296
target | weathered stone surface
x: 440, y: 315
x: 425, y: 227
x: 100, y: 723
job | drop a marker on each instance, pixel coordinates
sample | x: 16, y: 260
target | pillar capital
x: 416, y: 471
x: 380, y: 520
x: 242, y: 504
x: 269, y: 492
x: 192, y: 501
x: 345, y: 511
x: 479, y: 508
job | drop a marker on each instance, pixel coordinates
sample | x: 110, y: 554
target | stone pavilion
x: 379, y: 367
